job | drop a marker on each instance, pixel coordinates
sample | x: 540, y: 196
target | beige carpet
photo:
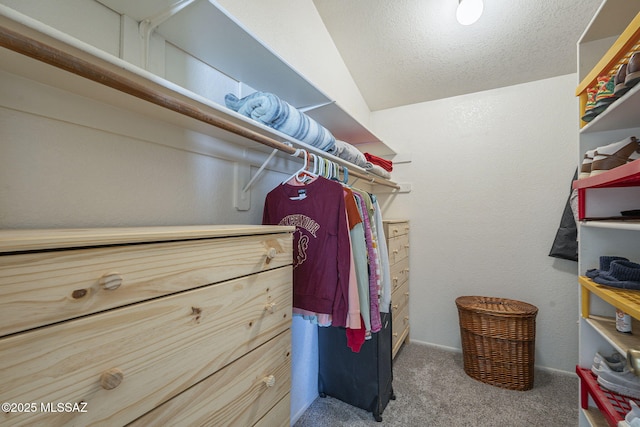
x: 432, y: 390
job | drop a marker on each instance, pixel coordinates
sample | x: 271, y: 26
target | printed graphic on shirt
x: 303, y: 244
x: 301, y: 222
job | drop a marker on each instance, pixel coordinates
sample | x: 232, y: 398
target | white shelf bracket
x: 259, y: 171
x: 149, y: 24
x: 241, y: 198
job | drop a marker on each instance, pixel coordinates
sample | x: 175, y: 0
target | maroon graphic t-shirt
x: 320, y: 244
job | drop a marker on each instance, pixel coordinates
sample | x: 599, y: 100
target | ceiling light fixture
x: 469, y: 11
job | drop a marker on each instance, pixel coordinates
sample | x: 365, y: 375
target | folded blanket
x: 383, y: 163
x: 348, y: 152
x: 370, y: 167
x: 271, y: 111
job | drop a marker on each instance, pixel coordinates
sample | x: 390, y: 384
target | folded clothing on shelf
x: 377, y: 170
x: 383, y: 163
x: 617, y: 272
x: 349, y: 153
x: 268, y: 109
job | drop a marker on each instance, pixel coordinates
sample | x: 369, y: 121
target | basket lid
x: 494, y: 305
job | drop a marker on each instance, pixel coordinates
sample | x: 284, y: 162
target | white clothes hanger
x: 303, y: 174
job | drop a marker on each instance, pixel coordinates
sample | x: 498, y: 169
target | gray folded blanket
x: 375, y: 169
x: 348, y: 152
x: 271, y: 111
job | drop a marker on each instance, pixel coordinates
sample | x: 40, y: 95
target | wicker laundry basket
x: 498, y: 340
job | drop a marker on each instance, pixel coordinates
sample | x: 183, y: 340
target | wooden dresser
x: 150, y: 326
x: 397, y: 234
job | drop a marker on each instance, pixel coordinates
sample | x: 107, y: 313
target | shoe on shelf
x: 623, y: 383
x: 620, y: 88
x: 585, y: 168
x: 614, y: 155
x: 633, y: 414
x: 633, y: 71
x: 633, y: 361
x: 605, y: 95
x: 616, y: 362
x: 589, y: 113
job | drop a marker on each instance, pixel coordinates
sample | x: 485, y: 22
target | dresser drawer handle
x: 270, y: 306
x: 395, y: 334
x: 406, y: 294
x: 406, y: 246
x: 270, y: 381
x: 111, y: 281
x: 395, y: 251
x: 271, y: 254
x: 395, y: 279
x: 394, y: 306
x: 111, y: 379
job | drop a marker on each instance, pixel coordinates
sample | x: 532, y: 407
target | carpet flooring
x: 432, y: 390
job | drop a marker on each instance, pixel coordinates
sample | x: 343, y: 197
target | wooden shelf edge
x: 625, y: 41
x: 32, y: 239
x: 615, y: 297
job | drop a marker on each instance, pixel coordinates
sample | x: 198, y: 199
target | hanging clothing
x: 321, y: 244
x: 565, y: 244
x: 359, y: 250
x: 385, y: 278
x: 376, y: 324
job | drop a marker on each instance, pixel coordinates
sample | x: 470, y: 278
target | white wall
x: 491, y: 173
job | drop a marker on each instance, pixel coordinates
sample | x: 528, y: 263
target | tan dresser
x: 397, y: 234
x: 150, y: 326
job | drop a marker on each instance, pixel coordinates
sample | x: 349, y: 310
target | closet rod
x: 66, y: 61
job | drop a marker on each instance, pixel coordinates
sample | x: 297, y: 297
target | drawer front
x: 161, y: 347
x: 398, y: 248
x: 400, y: 297
x: 400, y: 328
x: 60, y: 285
x: 399, y: 274
x: 278, y: 416
x: 394, y: 229
x: 240, y: 394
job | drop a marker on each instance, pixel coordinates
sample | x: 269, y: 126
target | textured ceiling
x: 407, y: 51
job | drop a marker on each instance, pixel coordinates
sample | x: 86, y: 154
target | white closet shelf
x: 622, y: 114
x: 612, y: 224
x: 218, y: 39
x: 43, y: 54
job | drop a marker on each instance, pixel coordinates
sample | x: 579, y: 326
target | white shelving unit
x: 203, y: 31
x: 609, y: 36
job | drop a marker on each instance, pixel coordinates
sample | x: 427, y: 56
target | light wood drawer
x: 238, y: 395
x: 400, y: 327
x: 400, y: 297
x: 279, y: 415
x: 398, y: 248
x: 399, y: 273
x: 46, y: 287
x: 162, y: 347
x: 394, y: 229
